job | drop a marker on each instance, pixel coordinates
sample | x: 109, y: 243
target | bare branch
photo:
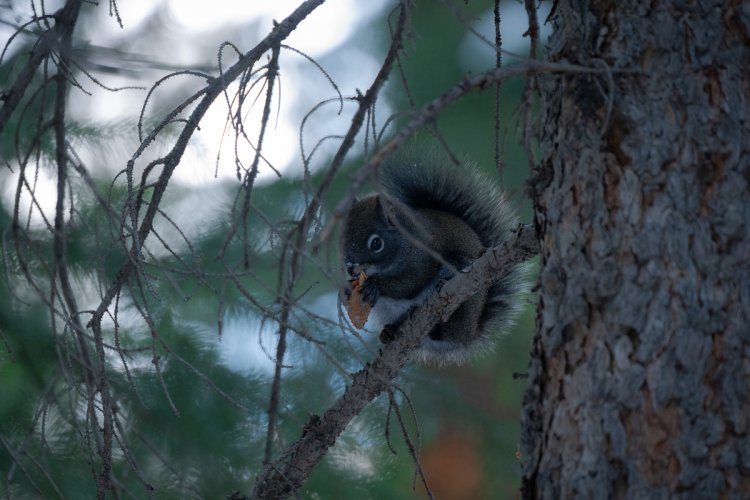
x: 172, y: 159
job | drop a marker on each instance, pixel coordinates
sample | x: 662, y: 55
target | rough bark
x: 640, y: 372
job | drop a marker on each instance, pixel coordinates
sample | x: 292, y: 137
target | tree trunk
x: 640, y: 371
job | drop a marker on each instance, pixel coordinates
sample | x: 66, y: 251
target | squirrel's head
x: 372, y: 241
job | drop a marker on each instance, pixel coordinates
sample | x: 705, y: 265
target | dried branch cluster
x: 50, y: 71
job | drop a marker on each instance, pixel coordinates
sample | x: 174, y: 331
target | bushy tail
x: 430, y: 181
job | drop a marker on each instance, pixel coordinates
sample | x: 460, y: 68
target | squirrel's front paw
x: 388, y: 334
x: 370, y: 292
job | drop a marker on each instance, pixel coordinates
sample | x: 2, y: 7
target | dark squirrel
x: 431, y: 219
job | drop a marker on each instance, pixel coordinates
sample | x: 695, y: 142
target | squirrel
x: 431, y: 219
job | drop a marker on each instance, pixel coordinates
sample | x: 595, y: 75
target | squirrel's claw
x: 388, y: 334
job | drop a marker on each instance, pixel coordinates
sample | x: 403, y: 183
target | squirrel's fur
x: 432, y: 218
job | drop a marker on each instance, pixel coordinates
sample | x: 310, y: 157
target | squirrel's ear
x: 386, y: 210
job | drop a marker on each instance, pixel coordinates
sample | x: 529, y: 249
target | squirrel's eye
x: 375, y: 243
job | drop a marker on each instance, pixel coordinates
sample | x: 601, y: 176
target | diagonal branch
x: 284, y: 476
x: 94, y: 374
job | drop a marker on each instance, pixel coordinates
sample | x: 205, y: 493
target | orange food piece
x: 358, y: 311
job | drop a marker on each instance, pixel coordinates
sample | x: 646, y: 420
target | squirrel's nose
x: 353, y: 269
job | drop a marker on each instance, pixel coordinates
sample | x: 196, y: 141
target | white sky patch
x: 194, y: 212
x: 246, y: 345
x: 324, y: 30
x: 44, y: 185
x: 215, y: 146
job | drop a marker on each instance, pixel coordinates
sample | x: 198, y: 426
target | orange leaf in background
x: 358, y: 311
x: 452, y: 465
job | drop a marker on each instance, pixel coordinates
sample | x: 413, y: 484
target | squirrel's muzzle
x: 353, y: 270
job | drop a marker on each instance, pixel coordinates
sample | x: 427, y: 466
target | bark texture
x: 640, y: 373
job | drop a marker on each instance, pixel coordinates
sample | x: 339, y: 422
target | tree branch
x: 292, y: 468
x: 170, y: 161
x: 65, y: 20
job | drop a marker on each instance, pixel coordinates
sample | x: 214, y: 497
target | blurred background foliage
x: 198, y: 431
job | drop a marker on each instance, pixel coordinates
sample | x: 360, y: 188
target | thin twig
x: 414, y: 451
x: 498, y: 87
